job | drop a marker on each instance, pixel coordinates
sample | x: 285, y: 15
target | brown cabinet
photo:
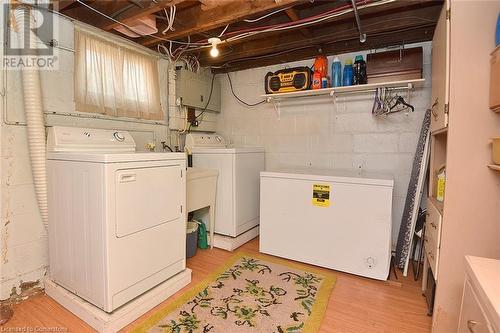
x: 397, y: 65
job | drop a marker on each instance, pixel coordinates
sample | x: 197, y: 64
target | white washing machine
x: 116, y: 217
x: 238, y: 184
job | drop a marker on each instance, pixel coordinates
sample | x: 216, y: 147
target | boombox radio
x: 288, y: 80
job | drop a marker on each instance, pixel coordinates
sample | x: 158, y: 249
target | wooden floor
x: 357, y: 304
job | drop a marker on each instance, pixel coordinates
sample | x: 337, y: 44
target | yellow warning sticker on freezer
x: 321, y: 195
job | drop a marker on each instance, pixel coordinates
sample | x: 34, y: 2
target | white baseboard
x: 231, y: 243
x: 105, y: 322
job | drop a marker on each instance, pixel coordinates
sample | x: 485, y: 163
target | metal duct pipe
x: 362, y: 36
x: 32, y: 95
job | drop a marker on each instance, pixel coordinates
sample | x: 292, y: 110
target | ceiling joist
x: 385, y: 23
x: 195, y: 20
x: 343, y: 46
x: 149, y: 7
x: 389, y: 23
x: 292, y: 14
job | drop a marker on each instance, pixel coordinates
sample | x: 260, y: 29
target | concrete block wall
x: 323, y: 133
x: 23, y: 239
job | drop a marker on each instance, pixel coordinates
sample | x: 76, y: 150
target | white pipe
x: 34, y: 113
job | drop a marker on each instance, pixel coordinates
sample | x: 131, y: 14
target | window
x: 115, y: 80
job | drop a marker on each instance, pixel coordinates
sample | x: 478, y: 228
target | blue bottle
x: 336, y: 72
x: 348, y: 73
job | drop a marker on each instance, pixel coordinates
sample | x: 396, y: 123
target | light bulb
x: 214, y: 52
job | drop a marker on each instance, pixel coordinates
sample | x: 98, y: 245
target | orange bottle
x: 316, y: 80
x: 321, y: 65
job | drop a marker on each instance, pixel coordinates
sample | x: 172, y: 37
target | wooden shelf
x: 495, y: 167
x: 438, y: 204
x: 440, y: 131
x: 405, y: 84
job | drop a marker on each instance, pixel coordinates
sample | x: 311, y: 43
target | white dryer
x: 116, y: 217
x: 238, y: 184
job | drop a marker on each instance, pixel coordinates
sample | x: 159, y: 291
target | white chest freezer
x: 337, y: 219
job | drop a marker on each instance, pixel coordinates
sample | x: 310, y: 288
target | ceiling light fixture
x: 214, y: 52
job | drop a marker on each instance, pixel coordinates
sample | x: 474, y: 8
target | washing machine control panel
x: 204, y: 140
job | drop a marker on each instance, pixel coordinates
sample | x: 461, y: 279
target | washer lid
x: 114, y: 157
x: 333, y: 175
x: 234, y: 150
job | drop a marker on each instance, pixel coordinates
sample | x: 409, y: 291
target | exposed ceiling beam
x: 411, y: 36
x: 195, y: 20
x: 149, y: 7
x: 292, y: 14
x: 63, y: 4
x: 90, y: 16
x: 390, y: 23
x: 383, y: 21
x: 210, y: 4
x: 398, y: 8
x: 83, y: 13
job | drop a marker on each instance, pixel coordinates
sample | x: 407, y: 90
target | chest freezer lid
x: 332, y: 175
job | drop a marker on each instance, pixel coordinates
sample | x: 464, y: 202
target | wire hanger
x: 401, y: 101
x: 387, y: 101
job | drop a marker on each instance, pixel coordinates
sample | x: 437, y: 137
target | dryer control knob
x: 118, y: 136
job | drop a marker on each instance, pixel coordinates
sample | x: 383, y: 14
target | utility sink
x: 201, y: 187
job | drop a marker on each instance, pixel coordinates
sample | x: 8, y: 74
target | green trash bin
x: 191, y: 239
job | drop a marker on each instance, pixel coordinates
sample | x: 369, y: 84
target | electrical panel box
x: 193, y: 90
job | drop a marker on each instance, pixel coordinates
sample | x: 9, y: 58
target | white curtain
x: 114, y: 80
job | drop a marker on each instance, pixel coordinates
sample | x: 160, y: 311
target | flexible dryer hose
x: 32, y: 95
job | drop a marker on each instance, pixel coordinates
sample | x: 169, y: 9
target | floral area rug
x: 251, y: 293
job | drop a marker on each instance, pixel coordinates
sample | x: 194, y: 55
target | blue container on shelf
x: 336, y: 72
x: 348, y: 73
